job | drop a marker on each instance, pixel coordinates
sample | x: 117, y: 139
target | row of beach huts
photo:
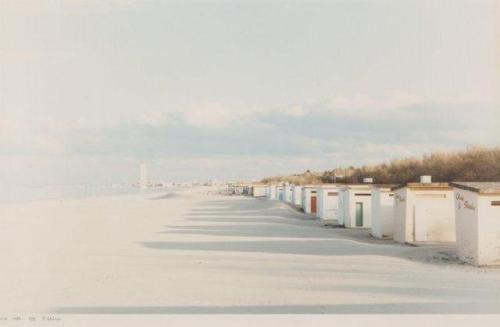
x: 467, y: 213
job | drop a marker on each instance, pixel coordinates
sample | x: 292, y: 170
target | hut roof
x: 479, y: 187
x: 424, y: 186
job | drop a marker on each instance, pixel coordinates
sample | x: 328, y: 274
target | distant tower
x: 143, y: 175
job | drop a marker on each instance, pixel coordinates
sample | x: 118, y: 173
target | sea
x: 19, y: 194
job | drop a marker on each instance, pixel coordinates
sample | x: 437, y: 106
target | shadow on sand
x: 165, y: 196
x: 384, y: 308
x: 333, y: 247
x: 289, y: 232
x: 271, y: 227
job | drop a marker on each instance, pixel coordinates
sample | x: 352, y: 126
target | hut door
x: 313, y: 204
x: 359, y: 214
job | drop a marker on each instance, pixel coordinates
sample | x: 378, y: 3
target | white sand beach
x: 190, y: 252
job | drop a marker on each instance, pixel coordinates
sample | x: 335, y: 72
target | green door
x: 359, y: 214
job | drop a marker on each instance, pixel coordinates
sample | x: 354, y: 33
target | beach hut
x: 328, y: 203
x: 280, y: 192
x: 355, y: 205
x: 477, y: 213
x: 247, y: 189
x: 237, y: 189
x: 342, y: 204
x: 258, y: 190
x: 382, y: 211
x: 271, y: 192
x: 424, y: 212
x: 309, y: 199
x: 288, y: 193
x: 297, y: 195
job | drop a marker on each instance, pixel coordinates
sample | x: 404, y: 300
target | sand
x: 190, y: 252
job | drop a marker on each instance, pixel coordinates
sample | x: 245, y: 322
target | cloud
x: 210, y: 115
x: 320, y: 131
x: 320, y: 127
x: 223, y: 141
x: 363, y: 104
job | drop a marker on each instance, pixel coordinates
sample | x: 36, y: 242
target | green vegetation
x: 299, y: 179
x: 475, y: 164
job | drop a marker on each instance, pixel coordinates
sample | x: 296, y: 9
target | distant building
x: 143, y: 176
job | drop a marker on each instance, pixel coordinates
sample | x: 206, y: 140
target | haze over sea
x: 17, y: 193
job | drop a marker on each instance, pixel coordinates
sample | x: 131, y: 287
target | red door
x: 313, y: 204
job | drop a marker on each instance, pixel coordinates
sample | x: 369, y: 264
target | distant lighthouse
x: 143, y: 176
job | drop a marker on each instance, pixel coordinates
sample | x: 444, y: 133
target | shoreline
x: 96, y: 192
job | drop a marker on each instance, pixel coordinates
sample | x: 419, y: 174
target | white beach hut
x: 271, y: 192
x: 477, y: 209
x: 328, y: 203
x: 309, y: 199
x: 355, y: 204
x: 382, y: 211
x: 342, y: 201
x: 288, y: 189
x: 259, y: 190
x: 280, y: 192
x: 247, y: 189
x: 297, y: 195
x: 237, y: 189
x: 424, y: 212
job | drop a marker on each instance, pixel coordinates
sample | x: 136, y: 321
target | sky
x: 239, y: 89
